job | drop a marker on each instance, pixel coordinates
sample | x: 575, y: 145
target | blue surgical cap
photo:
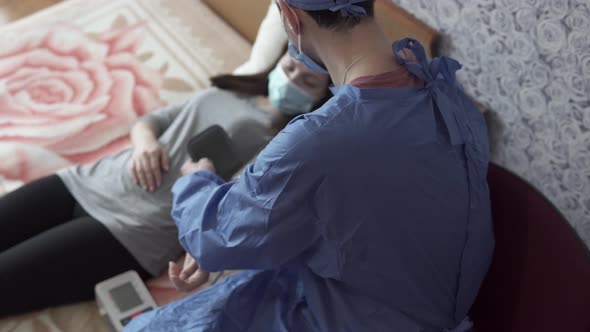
x: 346, y: 7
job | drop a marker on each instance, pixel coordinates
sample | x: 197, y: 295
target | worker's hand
x: 148, y: 161
x: 203, y: 164
x: 189, y: 277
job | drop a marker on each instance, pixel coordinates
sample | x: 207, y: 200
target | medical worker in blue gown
x: 369, y: 214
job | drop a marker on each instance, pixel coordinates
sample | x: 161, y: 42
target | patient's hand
x: 148, y: 161
x: 190, y: 167
x: 189, y: 277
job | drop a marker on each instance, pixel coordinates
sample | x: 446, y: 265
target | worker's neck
x: 340, y: 49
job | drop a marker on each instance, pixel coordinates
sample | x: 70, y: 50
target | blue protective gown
x: 369, y: 214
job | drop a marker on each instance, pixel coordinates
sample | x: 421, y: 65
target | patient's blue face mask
x: 286, y: 95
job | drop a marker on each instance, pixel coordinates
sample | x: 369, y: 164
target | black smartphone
x: 214, y: 143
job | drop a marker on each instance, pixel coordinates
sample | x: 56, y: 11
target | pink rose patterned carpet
x: 76, y: 76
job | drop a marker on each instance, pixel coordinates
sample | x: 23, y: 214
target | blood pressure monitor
x: 122, y: 298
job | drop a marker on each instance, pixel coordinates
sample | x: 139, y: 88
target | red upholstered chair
x: 539, y: 280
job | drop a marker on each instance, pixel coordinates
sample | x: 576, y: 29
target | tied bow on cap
x: 346, y: 7
x: 349, y: 8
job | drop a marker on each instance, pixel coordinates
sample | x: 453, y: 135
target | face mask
x: 297, y: 54
x: 286, y: 96
x: 303, y: 58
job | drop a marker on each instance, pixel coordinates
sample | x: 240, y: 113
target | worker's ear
x: 290, y: 18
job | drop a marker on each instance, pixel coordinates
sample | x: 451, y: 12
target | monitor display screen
x: 125, y: 297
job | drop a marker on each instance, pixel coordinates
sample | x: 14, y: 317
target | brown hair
x: 253, y: 85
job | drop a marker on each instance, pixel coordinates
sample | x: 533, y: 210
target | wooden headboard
x: 245, y: 16
x: 399, y: 24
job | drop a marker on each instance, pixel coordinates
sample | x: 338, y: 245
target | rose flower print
x: 67, y: 97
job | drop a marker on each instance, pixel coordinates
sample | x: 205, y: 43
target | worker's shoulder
x: 303, y: 135
x: 333, y: 111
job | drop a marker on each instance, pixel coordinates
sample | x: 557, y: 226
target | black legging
x: 51, y: 251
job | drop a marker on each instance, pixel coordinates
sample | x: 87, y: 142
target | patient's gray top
x: 141, y: 220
